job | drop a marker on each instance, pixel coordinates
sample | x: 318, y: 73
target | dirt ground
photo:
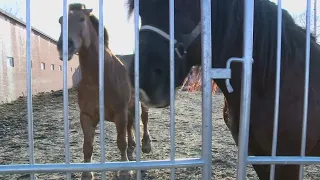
x: 49, y: 138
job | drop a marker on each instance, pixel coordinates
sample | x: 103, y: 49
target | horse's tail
x: 143, y: 111
x: 131, y: 111
x: 133, y: 119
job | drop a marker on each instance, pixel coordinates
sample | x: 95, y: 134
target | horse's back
x: 117, y: 81
x: 126, y: 60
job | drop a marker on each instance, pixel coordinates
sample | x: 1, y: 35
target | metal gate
x: 243, y: 158
x: 208, y: 73
x: 67, y: 167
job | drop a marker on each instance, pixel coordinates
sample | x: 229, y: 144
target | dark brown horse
x: 227, y: 41
x: 119, y: 100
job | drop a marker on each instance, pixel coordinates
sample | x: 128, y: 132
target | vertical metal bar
x: 277, y: 93
x: 29, y: 87
x: 65, y: 84
x: 315, y: 18
x: 101, y: 86
x: 206, y: 55
x: 245, y: 89
x: 172, y: 95
x: 136, y: 84
x: 306, y: 89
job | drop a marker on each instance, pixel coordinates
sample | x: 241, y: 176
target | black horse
x: 227, y: 41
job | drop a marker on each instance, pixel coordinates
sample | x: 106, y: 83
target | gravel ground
x: 49, y: 137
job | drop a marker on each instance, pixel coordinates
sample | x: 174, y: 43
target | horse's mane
x: 293, y: 44
x: 146, y: 4
x: 227, y: 32
x: 94, y: 20
x: 130, y: 4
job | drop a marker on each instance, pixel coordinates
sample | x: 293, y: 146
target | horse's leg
x: 287, y: 147
x: 121, y: 121
x: 131, y: 138
x: 226, y: 114
x: 88, y: 126
x: 146, y: 140
x: 229, y: 120
x: 263, y: 171
x: 287, y: 172
x: 282, y: 172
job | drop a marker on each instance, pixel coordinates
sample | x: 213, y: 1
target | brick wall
x: 13, y: 62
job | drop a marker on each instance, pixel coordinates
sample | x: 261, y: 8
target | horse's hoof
x: 25, y: 177
x: 87, y: 176
x: 130, y: 154
x: 144, y: 171
x: 130, y: 157
x: 130, y: 150
x: 125, y: 175
x: 146, y: 145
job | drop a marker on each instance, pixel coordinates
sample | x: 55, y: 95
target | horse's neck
x: 89, y: 58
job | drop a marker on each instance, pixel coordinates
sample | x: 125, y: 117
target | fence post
x: 206, y: 56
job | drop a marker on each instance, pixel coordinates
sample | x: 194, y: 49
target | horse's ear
x: 88, y: 11
x: 60, y: 20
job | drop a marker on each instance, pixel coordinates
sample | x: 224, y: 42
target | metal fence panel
x: 206, y: 56
x: 245, y: 89
x: 306, y: 89
x: 67, y: 167
x: 273, y: 159
x: 29, y: 87
x: 65, y: 85
x: 136, y: 83
x: 208, y: 73
x: 172, y: 89
x: 277, y: 93
x: 101, y: 86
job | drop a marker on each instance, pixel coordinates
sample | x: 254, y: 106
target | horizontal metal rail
x: 220, y: 73
x: 108, y: 166
x: 293, y: 160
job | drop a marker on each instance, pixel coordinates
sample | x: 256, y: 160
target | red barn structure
x: 193, y: 81
x: 47, y: 68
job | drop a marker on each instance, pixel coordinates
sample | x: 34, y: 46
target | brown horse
x: 227, y: 41
x: 127, y: 61
x: 119, y: 100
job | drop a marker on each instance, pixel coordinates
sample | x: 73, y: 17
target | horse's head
x: 78, y: 31
x: 154, y: 54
